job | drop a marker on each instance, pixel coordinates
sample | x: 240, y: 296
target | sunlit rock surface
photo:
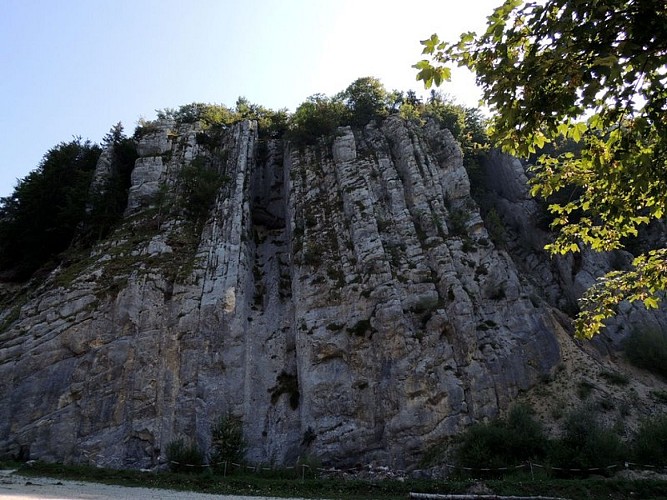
x: 344, y: 300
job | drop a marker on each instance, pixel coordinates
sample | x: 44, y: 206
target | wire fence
x: 231, y: 466
x: 474, y: 496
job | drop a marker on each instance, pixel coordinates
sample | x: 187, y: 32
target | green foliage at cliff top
x: 57, y: 207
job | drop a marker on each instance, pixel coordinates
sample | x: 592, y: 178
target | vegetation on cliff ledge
x: 60, y: 206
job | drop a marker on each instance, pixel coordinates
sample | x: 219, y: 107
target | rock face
x: 344, y: 300
x: 561, y: 281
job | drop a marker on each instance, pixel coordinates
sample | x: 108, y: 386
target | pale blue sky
x: 76, y: 67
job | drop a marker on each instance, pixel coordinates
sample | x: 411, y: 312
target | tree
x: 114, y: 136
x: 43, y: 214
x: 367, y: 99
x: 108, y: 201
x: 318, y: 116
x: 594, y: 72
x: 446, y: 112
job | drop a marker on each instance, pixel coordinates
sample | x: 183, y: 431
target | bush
x: 218, y: 116
x: 495, y: 227
x: 319, y: 116
x: 227, y: 442
x: 447, y: 113
x: 483, y: 445
x: 457, y: 223
x: 659, y: 396
x: 503, y: 443
x: 185, y: 457
x: 615, y: 378
x: 528, y: 438
x: 585, y: 443
x: 145, y: 127
x: 208, y: 114
x: 200, y: 184
x: 647, y: 349
x: 651, y: 442
x: 584, y: 389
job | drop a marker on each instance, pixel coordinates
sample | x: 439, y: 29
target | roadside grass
x: 290, y: 484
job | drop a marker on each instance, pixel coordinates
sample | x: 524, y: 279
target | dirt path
x: 16, y: 487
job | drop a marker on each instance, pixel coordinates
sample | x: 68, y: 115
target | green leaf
x: 610, y: 60
x: 445, y: 74
x: 651, y: 303
x: 577, y: 130
x: 423, y: 64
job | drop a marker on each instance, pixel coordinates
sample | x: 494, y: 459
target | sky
x: 76, y: 67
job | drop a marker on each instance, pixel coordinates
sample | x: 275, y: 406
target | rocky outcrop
x: 343, y: 299
x: 561, y: 280
x: 409, y: 332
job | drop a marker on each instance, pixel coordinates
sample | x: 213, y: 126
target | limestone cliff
x: 344, y: 299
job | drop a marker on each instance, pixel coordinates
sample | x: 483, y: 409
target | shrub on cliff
x: 363, y: 100
x: 647, y: 348
x: 366, y: 99
x: 216, y: 116
x: 319, y: 116
x: 446, y: 112
x: 200, y: 184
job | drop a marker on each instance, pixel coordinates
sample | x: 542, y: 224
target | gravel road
x: 16, y: 487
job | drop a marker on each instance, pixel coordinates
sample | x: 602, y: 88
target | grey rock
x: 329, y: 299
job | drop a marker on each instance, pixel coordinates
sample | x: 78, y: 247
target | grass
x: 615, y: 378
x: 659, y: 396
x: 288, y: 483
x: 13, y: 315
